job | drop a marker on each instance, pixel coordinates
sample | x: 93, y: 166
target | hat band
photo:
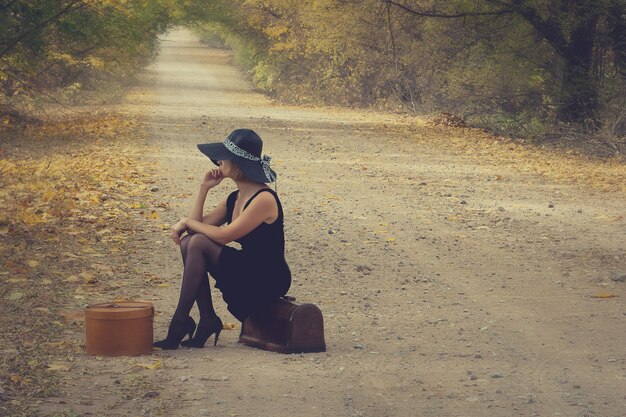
x: 265, y: 161
x: 266, y: 168
x: 240, y: 152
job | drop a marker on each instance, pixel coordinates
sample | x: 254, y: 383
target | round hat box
x: 120, y: 328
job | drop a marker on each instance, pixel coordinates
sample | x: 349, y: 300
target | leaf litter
x: 564, y: 166
x: 72, y: 194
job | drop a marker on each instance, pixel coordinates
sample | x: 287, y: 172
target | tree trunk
x: 617, y: 28
x: 579, y: 95
x: 579, y: 89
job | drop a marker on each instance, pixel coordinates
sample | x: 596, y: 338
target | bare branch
x: 67, y: 9
x: 548, y: 28
x: 443, y: 15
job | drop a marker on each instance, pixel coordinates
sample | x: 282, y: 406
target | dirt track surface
x: 450, y: 286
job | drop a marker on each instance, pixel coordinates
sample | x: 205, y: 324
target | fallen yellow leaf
x: 18, y: 379
x: 230, y: 326
x: 153, y: 365
x: 56, y: 344
x: 604, y: 295
x: 32, y: 218
x: 58, y: 367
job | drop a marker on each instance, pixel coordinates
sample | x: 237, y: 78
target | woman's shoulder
x: 268, y: 191
x: 265, y: 195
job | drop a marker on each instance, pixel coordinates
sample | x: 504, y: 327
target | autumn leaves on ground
x: 72, y: 194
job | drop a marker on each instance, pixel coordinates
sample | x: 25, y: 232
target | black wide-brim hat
x: 244, y: 147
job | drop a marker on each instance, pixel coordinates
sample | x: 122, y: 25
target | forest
x: 530, y: 68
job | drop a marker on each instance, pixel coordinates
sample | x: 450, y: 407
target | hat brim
x: 216, y: 152
x: 253, y: 170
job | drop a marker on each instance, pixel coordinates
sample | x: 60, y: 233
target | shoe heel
x: 217, y: 335
x: 176, y: 333
x: 203, y: 333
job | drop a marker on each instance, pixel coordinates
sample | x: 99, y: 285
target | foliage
x: 512, y: 66
x: 46, y: 45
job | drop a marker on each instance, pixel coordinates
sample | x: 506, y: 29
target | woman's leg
x: 199, y: 255
x: 200, y: 298
x: 203, y: 296
x: 204, y: 302
x: 184, y: 243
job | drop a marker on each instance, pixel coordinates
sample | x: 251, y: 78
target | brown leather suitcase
x: 121, y: 328
x: 285, y: 327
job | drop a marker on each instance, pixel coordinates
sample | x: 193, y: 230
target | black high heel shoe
x: 176, y: 333
x: 204, y: 332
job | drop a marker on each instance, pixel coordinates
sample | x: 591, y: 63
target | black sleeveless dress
x: 252, y: 277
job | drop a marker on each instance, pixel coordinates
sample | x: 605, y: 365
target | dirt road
x: 451, y: 285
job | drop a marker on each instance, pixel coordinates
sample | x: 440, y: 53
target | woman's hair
x: 236, y: 173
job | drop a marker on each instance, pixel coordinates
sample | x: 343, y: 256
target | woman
x: 249, y: 278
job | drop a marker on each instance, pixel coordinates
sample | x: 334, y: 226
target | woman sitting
x: 249, y: 278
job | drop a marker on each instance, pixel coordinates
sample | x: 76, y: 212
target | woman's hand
x: 212, y: 178
x: 177, y: 230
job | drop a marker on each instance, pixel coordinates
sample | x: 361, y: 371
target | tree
x: 46, y: 45
x: 573, y: 30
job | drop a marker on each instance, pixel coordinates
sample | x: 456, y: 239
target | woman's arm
x: 210, y: 180
x: 215, y: 217
x: 262, y: 208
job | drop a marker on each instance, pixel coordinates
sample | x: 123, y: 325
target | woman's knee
x: 200, y: 242
x: 184, y: 245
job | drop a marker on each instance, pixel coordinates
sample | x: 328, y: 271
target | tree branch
x: 46, y: 22
x: 443, y: 15
x: 548, y: 28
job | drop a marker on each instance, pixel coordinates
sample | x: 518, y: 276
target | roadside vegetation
x: 72, y: 187
x: 554, y: 72
x: 54, y: 52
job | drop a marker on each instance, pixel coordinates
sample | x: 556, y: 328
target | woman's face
x: 226, y: 167
x: 231, y: 170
